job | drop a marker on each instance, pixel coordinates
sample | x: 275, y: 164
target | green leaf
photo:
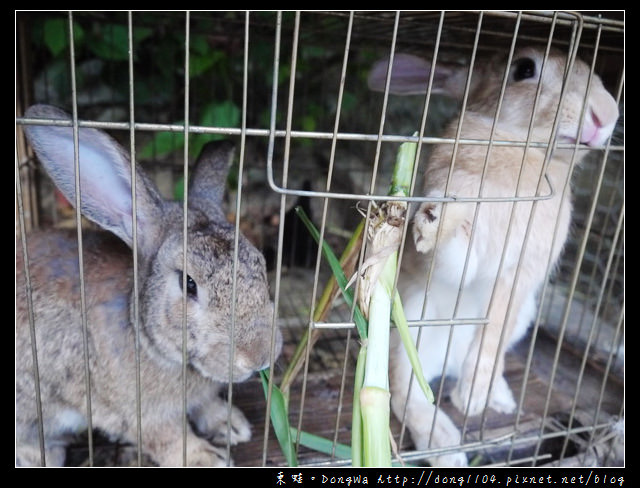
x: 197, y: 142
x: 198, y: 44
x: 199, y: 64
x: 111, y: 42
x: 397, y: 313
x: 309, y: 123
x: 280, y: 420
x: 56, y: 35
x: 141, y: 33
x: 284, y: 72
x: 162, y: 144
x: 321, y: 444
x: 225, y: 114
x: 201, y: 56
x: 221, y: 114
x: 349, y: 102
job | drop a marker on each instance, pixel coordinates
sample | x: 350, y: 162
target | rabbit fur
x: 461, y: 245
x: 105, y: 183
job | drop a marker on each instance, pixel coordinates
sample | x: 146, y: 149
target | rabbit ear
x: 209, y: 180
x: 410, y: 76
x: 105, y: 175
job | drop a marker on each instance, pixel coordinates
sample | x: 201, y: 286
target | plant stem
x: 376, y: 370
x: 377, y: 299
x: 357, y: 444
x: 375, y: 426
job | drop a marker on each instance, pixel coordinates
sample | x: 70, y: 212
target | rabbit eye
x: 525, y: 68
x: 192, y: 288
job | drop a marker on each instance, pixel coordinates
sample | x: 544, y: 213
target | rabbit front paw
x: 220, y: 426
x: 425, y: 226
x: 502, y: 400
x: 442, y: 434
x: 207, y: 455
x: 238, y: 429
x: 199, y: 452
x: 463, y: 399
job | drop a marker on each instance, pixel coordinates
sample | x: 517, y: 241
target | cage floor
x: 326, y: 406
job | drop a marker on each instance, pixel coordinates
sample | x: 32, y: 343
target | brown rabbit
x: 105, y: 186
x: 487, y: 261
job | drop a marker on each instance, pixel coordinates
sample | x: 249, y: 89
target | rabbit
x: 105, y: 184
x: 457, y: 249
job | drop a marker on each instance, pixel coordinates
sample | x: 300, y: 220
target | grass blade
x: 322, y: 444
x: 280, y: 420
x: 410, y: 348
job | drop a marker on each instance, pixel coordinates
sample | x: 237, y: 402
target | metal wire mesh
x: 289, y: 88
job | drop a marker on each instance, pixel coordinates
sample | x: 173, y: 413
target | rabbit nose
x: 246, y: 364
x: 599, y: 120
x: 594, y: 132
x: 257, y: 356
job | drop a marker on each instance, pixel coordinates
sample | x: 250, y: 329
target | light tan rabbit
x: 487, y: 260
x: 105, y: 186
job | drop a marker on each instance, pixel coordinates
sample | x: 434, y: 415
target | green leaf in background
x: 199, y: 45
x: 349, y: 102
x: 111, y: 41
x: 221, y: 114
x: 141, y: 33
x: 202, y: 56
x: 162, y: 144
x: 56, y: 34
x: 199, y: 64
x: 308, y: 123
x: 284, y: 72
x: 224, y: 114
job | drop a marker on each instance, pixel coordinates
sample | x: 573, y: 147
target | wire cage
x: 290, y: 90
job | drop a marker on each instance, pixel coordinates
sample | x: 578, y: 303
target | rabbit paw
x: 170, y: 451
x: 425, y: 226
x: 220, y: 426
x: 208, y: 455
x: 502, y: 400
x: 460, y: 397
x: 235, y: 431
